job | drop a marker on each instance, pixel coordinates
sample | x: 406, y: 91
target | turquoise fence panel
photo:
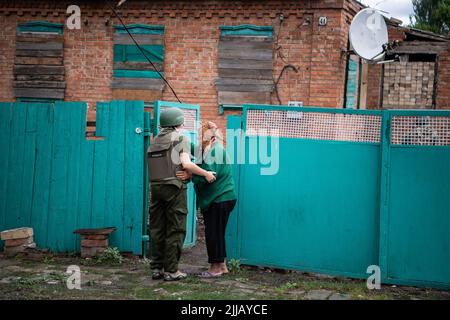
x: 415, y: 244
x: 6, y: 111
x: 353, y: 188
x: 291, y: 225
x: 56, y: 181
x: 313, y: 223
x: 191, y: 122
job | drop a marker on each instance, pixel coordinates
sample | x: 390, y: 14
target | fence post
x: 234, y: 122
x: 384, y: 192
x: 147, y: 134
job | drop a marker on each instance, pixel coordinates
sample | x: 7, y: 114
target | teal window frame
x: 38, y: 100
x: 40, y: 27
x: 131, y: 53
x: 223, y: 107
x: 247, y: 30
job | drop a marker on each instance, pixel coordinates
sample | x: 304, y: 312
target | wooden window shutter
x: 245, y: 65
x: 39, y: 62
x: 132, y: 71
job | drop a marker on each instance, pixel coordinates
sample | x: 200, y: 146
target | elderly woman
x: 216, y: 200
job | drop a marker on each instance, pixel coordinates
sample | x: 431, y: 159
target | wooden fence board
x: 59, y: 194
x: 75, y: 128
x: 15, y: 168
x: 114, y: 182
x: 134, y: 171
x: 41, y: 188
x: 6, y: 110
x: 28, y: 166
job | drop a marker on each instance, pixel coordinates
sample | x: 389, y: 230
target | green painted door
x: 192, y: 118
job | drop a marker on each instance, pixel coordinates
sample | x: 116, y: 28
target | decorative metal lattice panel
x: 314, y: 125
x: 190, y: 118
x: 420, y: 130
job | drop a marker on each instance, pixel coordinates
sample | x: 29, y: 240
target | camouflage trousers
x: 168, y: 211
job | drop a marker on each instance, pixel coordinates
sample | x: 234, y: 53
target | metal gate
x: 191, y: 121
x: 354, y: 188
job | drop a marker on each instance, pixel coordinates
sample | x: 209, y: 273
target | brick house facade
x: 191, y: 41
x: 316, y: 50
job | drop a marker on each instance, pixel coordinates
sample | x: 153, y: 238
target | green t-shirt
x: 220, y: 190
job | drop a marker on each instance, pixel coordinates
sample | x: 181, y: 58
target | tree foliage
x: 431, y: 15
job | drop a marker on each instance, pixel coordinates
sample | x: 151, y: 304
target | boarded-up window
x: 39, y: 65
x: 245, y: 65
x: 409, y: 85
x: 132, y: 71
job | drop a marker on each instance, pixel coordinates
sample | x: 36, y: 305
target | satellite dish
x: 368, y: 35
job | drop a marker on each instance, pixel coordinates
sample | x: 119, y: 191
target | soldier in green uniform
x: 169, y: 153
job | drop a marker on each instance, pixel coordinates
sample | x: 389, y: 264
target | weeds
x: 111, y: 255
x: 286, y: 287
x: 234, y: 266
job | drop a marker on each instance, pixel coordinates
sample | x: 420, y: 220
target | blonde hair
x: 208, y: 132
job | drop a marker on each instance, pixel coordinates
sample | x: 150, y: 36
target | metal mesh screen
x: 190, y: 118
x: 417, y: 130
x: 314, y: 125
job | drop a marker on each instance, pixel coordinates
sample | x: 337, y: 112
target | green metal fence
x: 354, y: 188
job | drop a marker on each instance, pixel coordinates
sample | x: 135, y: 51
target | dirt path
x: 45, y: 278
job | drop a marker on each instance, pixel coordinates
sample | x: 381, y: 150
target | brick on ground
x: 19, y: 233
x: 17, y: 240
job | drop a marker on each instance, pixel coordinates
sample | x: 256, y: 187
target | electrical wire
x: 142, y: 50
x: 280, y: 55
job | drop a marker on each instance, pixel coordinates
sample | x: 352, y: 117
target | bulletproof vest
x: 159, y: 158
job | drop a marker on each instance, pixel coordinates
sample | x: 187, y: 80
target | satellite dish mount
x: 368, y: 36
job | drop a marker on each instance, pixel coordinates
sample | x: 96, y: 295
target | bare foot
x: 223, y: 267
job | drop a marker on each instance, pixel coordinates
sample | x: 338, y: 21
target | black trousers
x: 216, y: 219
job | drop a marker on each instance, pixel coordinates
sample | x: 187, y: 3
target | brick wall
x: 442, y: 85
x: 443, y: 89
x: 191, y: 45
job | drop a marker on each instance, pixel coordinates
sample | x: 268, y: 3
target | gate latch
x: 138, y: 130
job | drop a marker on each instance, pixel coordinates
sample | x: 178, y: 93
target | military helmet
x: 171, y: 117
